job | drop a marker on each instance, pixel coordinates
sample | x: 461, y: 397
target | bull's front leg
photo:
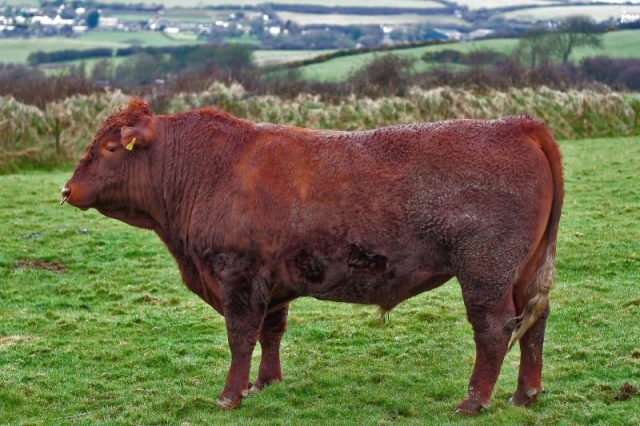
x: 245, y: 297
x: 273, y: 328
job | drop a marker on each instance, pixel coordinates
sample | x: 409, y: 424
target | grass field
x: 95, y: 326
x: 359, y: 3
x: 346, y: 19
x: 261, y: 58
x: 271, y: 57
x: 492, y: 4
x: 340, y: 68
x: 598, y: 13
x: 140, y: 38
x: 617, y: 44
x: 17, y: 50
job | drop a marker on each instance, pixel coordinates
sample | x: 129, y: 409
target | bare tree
x: 576, y: 31
x: 540, y: 46
x: 536, y: 47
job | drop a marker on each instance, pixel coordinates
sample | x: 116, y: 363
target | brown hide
x: 257, y: 215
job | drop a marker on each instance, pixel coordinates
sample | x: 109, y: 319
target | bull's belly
x: 382, y: 288
x: 382, y: 277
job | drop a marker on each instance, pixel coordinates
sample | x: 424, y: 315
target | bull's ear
x: 141, y: 131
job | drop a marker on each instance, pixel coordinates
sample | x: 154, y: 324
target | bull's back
x: 407, y: 172
x: 385, y: 186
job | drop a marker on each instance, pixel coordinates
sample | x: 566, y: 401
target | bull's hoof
x: 470, y: 407
x: 261, y: 384
x: 524, y: 398
x: 228, y: 404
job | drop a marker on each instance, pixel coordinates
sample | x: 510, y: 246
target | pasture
x: 338, y: 69
x: 617, y: 44
x: 95, y: 326
x: 16, y: 50
x: 272, y: 57
x: 421, y: 4
x: 347, y: 19
x: 495, y: 4
x: 598, y: 13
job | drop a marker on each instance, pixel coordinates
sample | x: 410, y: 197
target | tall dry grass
x: 30, y: 136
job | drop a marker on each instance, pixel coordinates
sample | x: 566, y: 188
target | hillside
x: 618, y: 44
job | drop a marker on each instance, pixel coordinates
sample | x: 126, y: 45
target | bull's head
x: 113, y: 174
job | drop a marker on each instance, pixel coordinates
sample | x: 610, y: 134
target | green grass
x: 618, y: 44
x: 116, y: 338
x: 270, y: 57
x: 237, y: 3
x: 599, y: 13
x: 340, y: 68
x: 17, y: 50
x: 492, y: 4
x: 140, y: 38
x: 347, y: 19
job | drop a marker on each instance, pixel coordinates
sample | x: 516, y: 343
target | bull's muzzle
x: 65, y: 192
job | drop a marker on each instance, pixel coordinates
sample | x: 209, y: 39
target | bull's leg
x: 491, y: 330
x: 245, y: 304
x: 273, y: 328
x: 530, y: 375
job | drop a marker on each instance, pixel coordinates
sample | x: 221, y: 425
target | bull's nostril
x: 65, y: 192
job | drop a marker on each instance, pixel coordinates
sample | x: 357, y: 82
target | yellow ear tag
x: 130, y: 145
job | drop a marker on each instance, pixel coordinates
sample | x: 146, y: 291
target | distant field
x: 271, y: 57
x: 141, y: 38
x: 617, y: 44
x: 423, y: 4
x: 17, y: 50
x: 19, y: 2
x: 340, y: 68
x: 598, y: 13
x: 620, y: 44
x: 493, y: 4
x: 345, y: 19
x: 261, y: 57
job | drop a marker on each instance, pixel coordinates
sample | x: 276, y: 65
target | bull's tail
x: 537, y: 292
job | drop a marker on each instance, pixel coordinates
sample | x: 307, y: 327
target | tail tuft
x: 537, y: 296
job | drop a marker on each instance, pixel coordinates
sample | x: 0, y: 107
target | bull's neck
x: 196, y: 154
x: 147, y: 208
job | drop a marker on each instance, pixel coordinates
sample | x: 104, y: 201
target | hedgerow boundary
x: 56, y: 135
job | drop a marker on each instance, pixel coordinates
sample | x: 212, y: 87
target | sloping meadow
x: 57, y: 135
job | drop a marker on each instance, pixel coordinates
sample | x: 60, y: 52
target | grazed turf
x: 95, y: 326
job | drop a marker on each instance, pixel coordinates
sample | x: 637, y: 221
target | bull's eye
x: 111, y: 148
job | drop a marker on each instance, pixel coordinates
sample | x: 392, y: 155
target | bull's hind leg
x: 530, y: 374
x: 535, y: 281
x: 489, y: 318
x: 273, y: 328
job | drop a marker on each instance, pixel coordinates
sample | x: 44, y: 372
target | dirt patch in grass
x: 40, y: 264
x: 6, y: 341
x: 626, y: 391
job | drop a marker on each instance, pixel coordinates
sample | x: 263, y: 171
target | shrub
x: 58, y: 133
x: 385, y: 75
